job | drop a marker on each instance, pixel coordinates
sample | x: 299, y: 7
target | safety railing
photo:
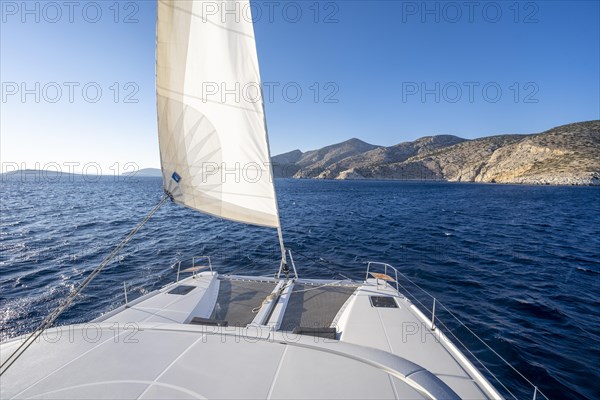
x: 385, y: 271
x: 436, y: 322
x: 192, y: 265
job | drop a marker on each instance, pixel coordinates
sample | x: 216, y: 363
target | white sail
x: 212, y: 133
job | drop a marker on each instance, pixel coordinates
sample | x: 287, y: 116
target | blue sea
x: 520, y: 265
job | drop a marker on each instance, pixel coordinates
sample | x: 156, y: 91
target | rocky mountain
x: 566, y: 155
x: 385, y: 155
x: 311, y: 163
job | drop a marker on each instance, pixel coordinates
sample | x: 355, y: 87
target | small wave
x: 11, y: 224
x: 588, y: 271
x: 86, y: 225
x: 537, y: 309
x: 20, y: 315
x: 469, y: 283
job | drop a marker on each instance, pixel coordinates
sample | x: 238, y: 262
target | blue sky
x: 382, y: 71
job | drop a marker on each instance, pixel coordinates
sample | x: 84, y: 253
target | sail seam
x: 208, y: 197
x: 205, y: 19
x: 234, y: 219
x: 208, y: 101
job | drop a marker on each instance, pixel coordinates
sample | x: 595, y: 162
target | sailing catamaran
x: 209, y: 335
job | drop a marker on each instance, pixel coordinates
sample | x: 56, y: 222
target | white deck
x: 150, y: 350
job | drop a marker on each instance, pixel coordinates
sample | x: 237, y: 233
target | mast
x: 283, y: 267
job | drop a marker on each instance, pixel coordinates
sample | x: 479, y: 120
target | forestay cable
x: 49, y: 320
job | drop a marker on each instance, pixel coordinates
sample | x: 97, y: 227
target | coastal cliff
x: 565, y: 155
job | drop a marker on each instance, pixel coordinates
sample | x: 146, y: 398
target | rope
x: 267, y: 299
x: 272, y: 297
x: 336, y: 283
x: 49, y: 320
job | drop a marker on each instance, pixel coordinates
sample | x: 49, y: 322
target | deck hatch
x: 383, y: 302
x: 182, y: 289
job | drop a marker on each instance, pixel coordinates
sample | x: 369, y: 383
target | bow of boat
x: 223, y: 336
